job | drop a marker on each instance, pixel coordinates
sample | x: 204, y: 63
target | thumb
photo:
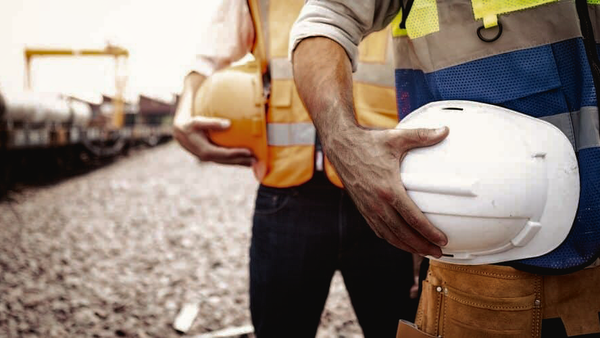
x: 209, y: 123
x: 406, y: 139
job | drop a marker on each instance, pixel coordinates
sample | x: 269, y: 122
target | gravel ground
x: 118, y: 251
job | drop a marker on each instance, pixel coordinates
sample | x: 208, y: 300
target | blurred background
x: 107, y: 227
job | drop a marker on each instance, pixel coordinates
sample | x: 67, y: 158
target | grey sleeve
x: 346, y: 22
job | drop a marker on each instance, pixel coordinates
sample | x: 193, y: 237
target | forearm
x: 323, y: 76
x: 367, y: 161
x: 191, y: 84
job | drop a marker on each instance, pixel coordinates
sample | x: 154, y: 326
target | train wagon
x: 46, y: 135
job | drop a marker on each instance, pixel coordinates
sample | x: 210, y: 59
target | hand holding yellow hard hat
x: 236, y: 94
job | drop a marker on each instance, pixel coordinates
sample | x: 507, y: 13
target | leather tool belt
x: 459, y: 301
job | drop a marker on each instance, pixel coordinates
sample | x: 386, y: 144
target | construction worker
x: 538, y: 58
x: 305, y: 227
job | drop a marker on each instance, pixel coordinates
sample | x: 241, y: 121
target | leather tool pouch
x: 574, y: 298
x: 410, y: 330
x: 467, y: 302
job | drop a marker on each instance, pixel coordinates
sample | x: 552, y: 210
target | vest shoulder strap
x: 259, y: 48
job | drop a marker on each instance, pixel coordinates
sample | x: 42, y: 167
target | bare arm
x: 367, y: 161
x: 225, y: 38
x: 191, y: 84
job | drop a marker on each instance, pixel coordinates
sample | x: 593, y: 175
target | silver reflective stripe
x: 281, y: 69
x: 585, y: 123
x: 564, y: 123
x: 581, y: 127
x: 373, y: 73
x: 291, y: 134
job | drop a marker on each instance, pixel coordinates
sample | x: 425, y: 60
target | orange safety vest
x: 291, y: 134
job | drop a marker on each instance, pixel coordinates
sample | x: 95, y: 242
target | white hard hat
x: 502, y: 186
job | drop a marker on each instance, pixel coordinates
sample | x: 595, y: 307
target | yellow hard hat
x: 236, y: 94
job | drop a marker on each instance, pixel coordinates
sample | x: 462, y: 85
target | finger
x: 375, y: 215
x: 403, y: 140
x: 389, y: 236
x: 414, y: 291
x: 207, y: 151
x: 404, y: 233
x: 398, y: 199
x: 413, y: 216
x: 185, y: 142
x: 216, y: 153
x: 243, y: 161
x: 209, y: 123
x: 382, y: 231
x: 239, y: 156
x: 390, y: 226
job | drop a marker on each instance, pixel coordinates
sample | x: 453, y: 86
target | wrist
x: 192, y: 82
x: 337, y: 120
x: 340, y: 133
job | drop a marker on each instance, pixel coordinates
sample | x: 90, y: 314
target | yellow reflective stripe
x: 488, y: 10
x: 422, y: 19
x: 396, y: 30
x: 593, y: 2
x: 530, y: 28
x: 490, y: 20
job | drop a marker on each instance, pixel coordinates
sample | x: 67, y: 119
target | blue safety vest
x: 534, y: 57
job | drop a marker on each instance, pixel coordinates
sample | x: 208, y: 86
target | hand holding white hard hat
x: 502, y: 186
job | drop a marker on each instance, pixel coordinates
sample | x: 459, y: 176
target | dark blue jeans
x: 300, y: 237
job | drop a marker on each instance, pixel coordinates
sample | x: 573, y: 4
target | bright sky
x: 161, y: 37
